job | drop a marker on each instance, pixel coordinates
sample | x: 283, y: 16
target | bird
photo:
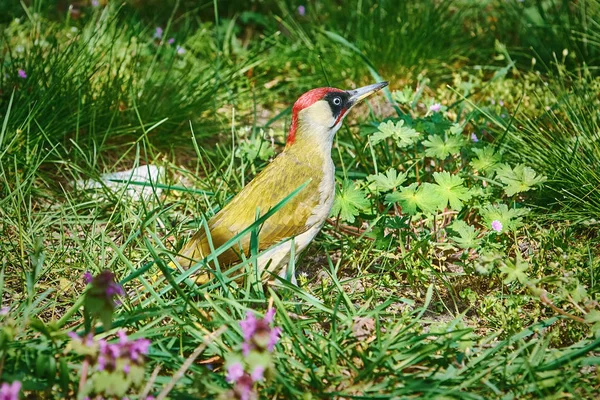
x: 316, y: 117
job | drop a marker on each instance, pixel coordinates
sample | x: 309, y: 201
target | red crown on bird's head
x: 306, y: 100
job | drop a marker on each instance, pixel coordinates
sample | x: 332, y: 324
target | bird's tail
x: 188, y: 256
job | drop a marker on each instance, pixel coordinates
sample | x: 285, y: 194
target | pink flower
x: 171, y: 40
x: 273, y: 338
x: 104, y: 286
x: 248, y: 325
x: 10, y: 391
x: 243, y: 388
x: 474, y: 138
x: 258, y: 373
x: 22, y: 74
x: 258, y: 334
x: 129, y: 352
x: 497, y: 225
x: 234, y: 372
x: 158, y: 32
x: 246, y: 347
x: 435, y: 107
x: 270, y: 315
x: 87, y: 340
x: 301, y: 11
x: 180, y: 50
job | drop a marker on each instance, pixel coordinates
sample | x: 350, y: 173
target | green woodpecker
x: 316, y: 117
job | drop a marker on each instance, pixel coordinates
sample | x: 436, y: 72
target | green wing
x: 281, y: 177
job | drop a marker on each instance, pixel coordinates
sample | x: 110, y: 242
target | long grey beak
x: 362, y: 93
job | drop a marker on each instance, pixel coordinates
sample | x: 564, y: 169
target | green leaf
x: 390, y: 180
x: 436, y: 147
x: 403, y: 97
x: 487, y: 159
x: 255, y: 148
x: 456, y: 129
x: 511, y: 219
x: 592, y: 317
x: 515, y: 271
x: 402, y: 135
x: 414, y: 196
x: 349, y: 202
x: 467, y: 235
x: 450, y: 190
x: 520, y: 179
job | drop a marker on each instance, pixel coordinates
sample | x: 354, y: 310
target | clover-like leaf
x: 593, y: 317
x: 467, y: 235
x: 487, y: 159
x: 349, y: 202
x: 384, y: 182
x: 255, y: 148
x: 515, y: 270
x: 403, y: 97
x: 450, y: 190
x: 437, y: 147
x: 456, y: 129
x: 509, y: 218
x: 404, y: 136
x: 518, y: 179
x: 414, y: 196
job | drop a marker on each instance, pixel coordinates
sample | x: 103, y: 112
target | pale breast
x: 326, y: 195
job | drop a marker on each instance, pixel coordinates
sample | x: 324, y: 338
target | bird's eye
x: 337, y: 101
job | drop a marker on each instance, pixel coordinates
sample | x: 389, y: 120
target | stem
x: 74, y: 308
x: 83, y: 379
x: 544, y: 298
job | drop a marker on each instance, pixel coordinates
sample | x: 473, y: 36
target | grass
x: 398, y: 297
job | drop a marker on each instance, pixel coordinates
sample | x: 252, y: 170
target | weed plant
x: 460, y: 259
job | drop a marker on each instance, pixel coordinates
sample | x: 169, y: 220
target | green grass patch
x: 460, y: 259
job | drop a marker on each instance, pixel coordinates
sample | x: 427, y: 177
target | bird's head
x: 318, y: 114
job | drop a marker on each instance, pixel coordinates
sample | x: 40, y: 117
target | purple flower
x: 95, y: 3
x: 474, y: 138
x: 243, y: 387
x: 246, y: 347
x: 273, y: 338
x: 258, y: 373
x: 158, y: 32
x: 10, y: 391
x: 103, y: 286
x: 4, y: 311
x: 180, y: 50
x: 270, y: 315
x: 301, y: 11
x: 114, y: 289
x: 435, y: 107
x: 22, y: 74
x: 234, y: 372
x: 258, y: 334
x: 171, y: 40
x: 500, y: 103
x: 101, y: 363
x: 248, y: 325
x: 87, y: 277
x: 87, y: 340
x: 497, y: 225
x: 130, y: 351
